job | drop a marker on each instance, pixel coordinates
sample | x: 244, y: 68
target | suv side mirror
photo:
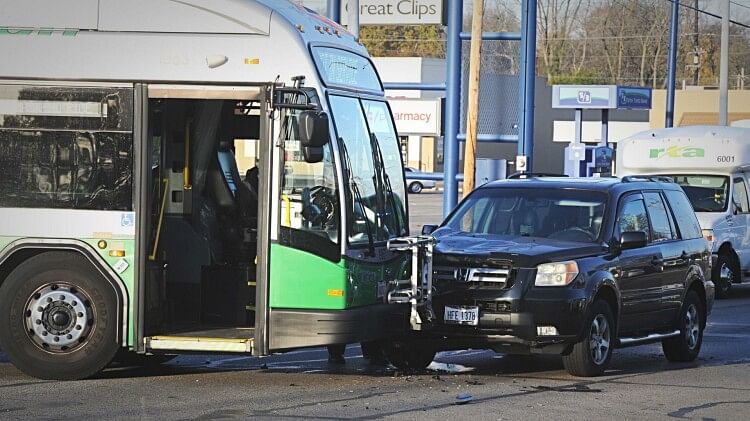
x: 428, y: 229
x: 313, y: 129
x: 633, y: 240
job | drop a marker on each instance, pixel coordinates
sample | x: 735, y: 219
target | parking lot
x: 302, y: 384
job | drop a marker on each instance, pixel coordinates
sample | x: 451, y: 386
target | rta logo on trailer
x: 584, y: 97
x: 677, y: 152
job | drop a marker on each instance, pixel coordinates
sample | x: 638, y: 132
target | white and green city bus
x: 126, y: 224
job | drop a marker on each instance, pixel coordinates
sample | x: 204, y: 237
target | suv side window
x: 739, y: 196
x: 661, y: 226
x: 633, y: 216
x: 683, y: 214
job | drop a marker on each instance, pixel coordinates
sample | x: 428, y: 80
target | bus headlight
x: 556, y: 274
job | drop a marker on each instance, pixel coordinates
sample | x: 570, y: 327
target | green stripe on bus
x: 303, y: 280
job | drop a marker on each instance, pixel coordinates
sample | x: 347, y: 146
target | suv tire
x: 590, y: 357
x: 58, y: 317
x: 409, y: 355
x: 687, y: 346
x: 727, y: 271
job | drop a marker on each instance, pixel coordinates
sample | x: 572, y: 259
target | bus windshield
x: 707, y: 193
x: 372, y: 162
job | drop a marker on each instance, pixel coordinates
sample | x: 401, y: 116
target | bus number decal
x: 725, y: 158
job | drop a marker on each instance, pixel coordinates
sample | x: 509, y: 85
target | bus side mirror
x: 312, y: 154
x: 313, y: 129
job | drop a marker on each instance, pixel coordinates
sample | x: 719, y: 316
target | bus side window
x: 66, y: 147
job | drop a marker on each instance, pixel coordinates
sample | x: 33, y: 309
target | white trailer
x: 711, y: 163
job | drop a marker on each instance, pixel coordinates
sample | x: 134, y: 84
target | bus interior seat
x: 246, y: 198
x: 219, y: 190
x: 251, y: 181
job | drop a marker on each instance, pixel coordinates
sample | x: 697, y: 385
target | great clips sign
x: 397, y: 12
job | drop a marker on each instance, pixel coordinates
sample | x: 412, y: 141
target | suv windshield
x: 373, y: 163
x: 707, y: 193
x: 568, y: 215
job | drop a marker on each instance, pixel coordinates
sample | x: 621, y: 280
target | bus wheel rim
x: 59, y: 317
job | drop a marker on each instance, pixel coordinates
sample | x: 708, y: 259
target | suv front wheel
x: 590, y: 357
x: 687, y: 346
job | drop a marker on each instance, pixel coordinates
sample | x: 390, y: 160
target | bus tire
x: 58, y: 317
x: 727, y: 271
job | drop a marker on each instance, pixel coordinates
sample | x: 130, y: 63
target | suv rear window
x: 687, y: 223
x: 660, y: 223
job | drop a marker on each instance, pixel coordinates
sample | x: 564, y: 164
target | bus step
x: 205, y: 344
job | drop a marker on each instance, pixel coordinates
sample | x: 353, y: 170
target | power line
x: 714, y: 15
x: 741, y: 5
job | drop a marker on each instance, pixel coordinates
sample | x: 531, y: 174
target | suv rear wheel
x: 687, y: 346
x: 590, y: 357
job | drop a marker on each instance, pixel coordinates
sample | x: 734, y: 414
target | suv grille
x: 475, y: 277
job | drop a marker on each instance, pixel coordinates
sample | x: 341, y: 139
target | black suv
x: 575, y: 267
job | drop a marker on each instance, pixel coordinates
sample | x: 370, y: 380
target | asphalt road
x: 302, y: 384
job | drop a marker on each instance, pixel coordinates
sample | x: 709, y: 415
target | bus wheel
x: 409, y: 355
x: 58, y: 317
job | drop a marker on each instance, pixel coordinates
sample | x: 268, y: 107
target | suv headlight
x: 556, y: 274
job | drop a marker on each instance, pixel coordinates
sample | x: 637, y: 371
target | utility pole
x: 333, y: 10
x: 672, y: 63
x: 724, y: 64
x: 697, y: 42
x: 472, y: 121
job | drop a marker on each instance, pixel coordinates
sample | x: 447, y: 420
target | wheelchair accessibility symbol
x: 127, y: 219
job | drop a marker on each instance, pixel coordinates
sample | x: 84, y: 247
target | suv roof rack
x: 641, y: 178
x: 523, y: 175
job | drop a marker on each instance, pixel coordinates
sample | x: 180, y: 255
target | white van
x: 711, y: 163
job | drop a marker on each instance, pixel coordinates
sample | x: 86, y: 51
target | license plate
x: 464, y: 315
